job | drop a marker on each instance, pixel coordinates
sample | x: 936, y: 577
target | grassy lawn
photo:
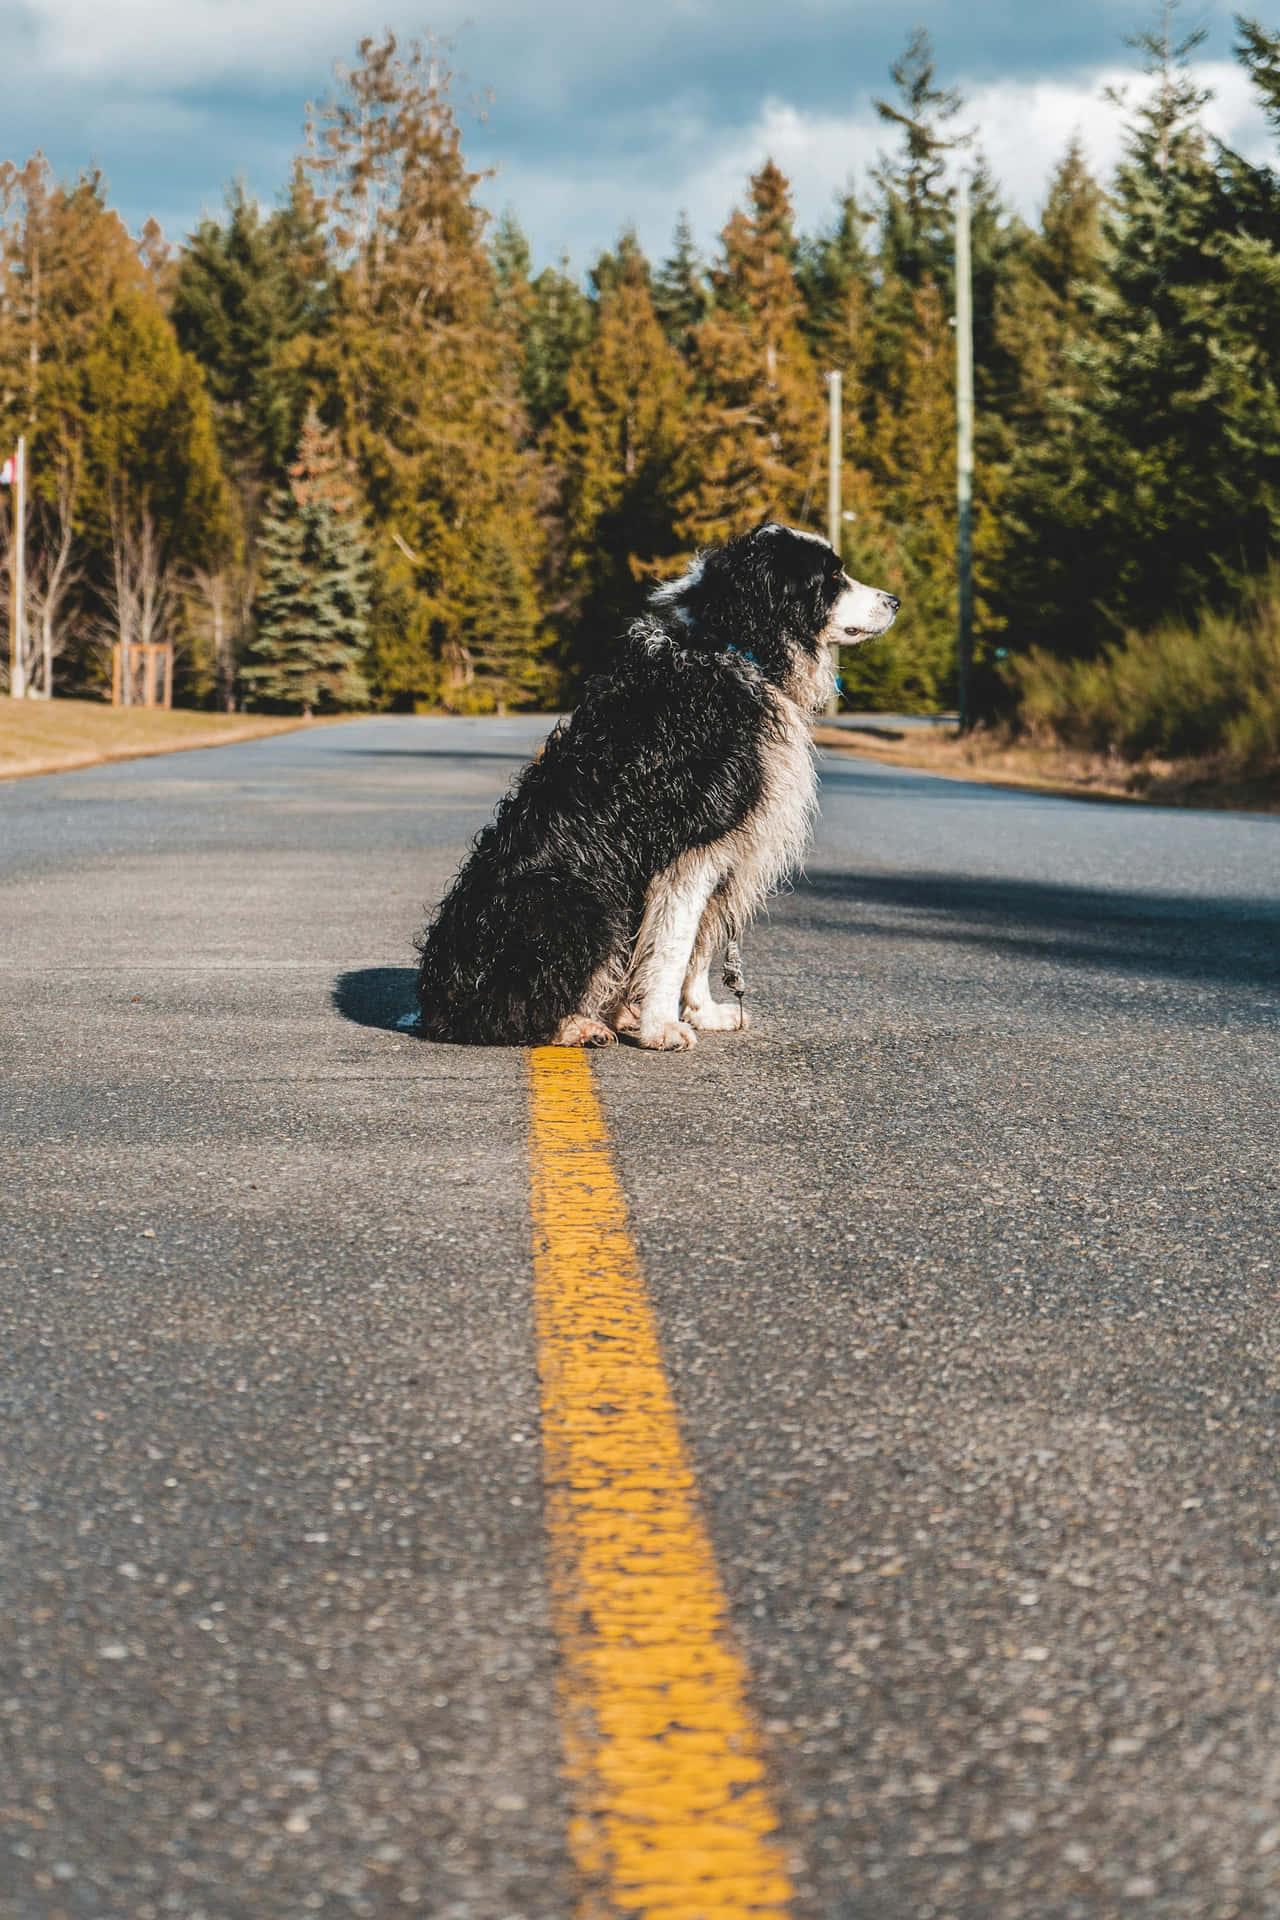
x: 1049, y: 769
x: 50, y: 736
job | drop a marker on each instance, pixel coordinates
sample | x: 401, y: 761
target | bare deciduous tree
x: 52, y: 568
x: 218, y: 591
x: 140, y: 588
x: 52, y: 572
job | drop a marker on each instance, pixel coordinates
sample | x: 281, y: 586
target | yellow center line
x: 671, y: 1817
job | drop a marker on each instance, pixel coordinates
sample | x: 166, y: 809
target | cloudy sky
x: 605, y: 112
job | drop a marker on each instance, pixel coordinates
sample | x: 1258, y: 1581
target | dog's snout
x: 891, y: 601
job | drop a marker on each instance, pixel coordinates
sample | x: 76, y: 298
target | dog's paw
x: 665, y: 1036
x: 716, y: 1016
x: 579, y: 1030
x: 624, y: 1018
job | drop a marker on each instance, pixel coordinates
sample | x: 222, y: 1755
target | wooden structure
x: 142, y: 674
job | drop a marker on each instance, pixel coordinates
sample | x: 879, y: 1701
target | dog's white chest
x: 770, y: 843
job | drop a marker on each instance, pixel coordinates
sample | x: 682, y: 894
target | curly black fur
x: 665, y: 755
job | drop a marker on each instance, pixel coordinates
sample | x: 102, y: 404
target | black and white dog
x: 658, y: 818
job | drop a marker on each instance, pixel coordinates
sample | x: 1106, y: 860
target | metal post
x: 18, y: 577
x: 964, y: 456
x: 834, y: 451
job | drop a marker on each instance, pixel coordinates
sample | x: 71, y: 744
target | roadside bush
x: 1211, y: 689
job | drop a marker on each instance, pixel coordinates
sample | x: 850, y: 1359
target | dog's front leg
x: 674, y: 907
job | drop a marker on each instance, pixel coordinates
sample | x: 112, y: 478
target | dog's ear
x: 698, y: 596
x: 680, y: 597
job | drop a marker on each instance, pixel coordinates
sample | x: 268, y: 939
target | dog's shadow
x: 377, y: 997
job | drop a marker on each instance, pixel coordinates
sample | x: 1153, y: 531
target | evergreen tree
x: 835, y: 274
x: 1247, y: 347
x: 914, y: 216
x: 621, y: 447
x: 1258, y: 48
x: 1180, y: 493
x: 681, y: 297
x: 997, y: 242
x: 311, y: 610
x: 916, y: 224
x: 247, y: 290
x: 760, y: 447
x: 547, y: 319
x: 426, y: 389
x: 1043, y: 313
x: 910, y: 544
x: 559, y: 327
x: 1039, y: 395
x: 513, y: 279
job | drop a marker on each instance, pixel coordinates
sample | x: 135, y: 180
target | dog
x: 658, y: 818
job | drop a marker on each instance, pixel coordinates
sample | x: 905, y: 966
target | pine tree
x: 761, y: 436
x: 546, y: 318
x: 311, y: 610
x: 681, y: 297
x: 513, y: 280
x: 836, y: 277
x: 1247, y: 346
x: 1043, y: 312
x: 1178, y: 500
x: 425, y: 389
x: 835, y: 273
x: 910, y: 546
x: 1258, y: 48
x: 913, y: 211
x: 915, y: 216
x: 1038, y: 398
x: 885, y: 308
x: 247, y: 291
x: 559, y: 328
x: 997, y: 241
x: 621, y: 448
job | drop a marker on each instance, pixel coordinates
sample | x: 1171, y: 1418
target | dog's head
x: 781, y: 597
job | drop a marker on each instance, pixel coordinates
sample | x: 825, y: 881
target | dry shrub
x: 1208, y: 690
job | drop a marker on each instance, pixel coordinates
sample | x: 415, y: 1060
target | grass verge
x: 54, y: 736
x: 1065, y: 770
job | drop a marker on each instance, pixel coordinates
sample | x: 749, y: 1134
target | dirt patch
x: 1048, y: 769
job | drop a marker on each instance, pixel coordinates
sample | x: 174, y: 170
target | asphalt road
x: 965, y: 1264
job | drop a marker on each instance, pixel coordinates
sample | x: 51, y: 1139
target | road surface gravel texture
x: 964, y: 1263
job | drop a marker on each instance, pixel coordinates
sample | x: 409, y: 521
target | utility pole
x: 964, y: 455
x: 834, y: 449
x: 18, y: 576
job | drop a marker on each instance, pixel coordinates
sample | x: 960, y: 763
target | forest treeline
x: 360, y: 450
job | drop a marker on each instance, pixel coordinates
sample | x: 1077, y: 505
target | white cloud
x: 159, y: 44
x: 606, y: 115
x: 151, y: 44
x: 1024, y: 127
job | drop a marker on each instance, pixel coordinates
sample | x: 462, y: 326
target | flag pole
x: 18, y: 576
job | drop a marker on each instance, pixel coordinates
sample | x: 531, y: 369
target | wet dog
x: 658, y: 818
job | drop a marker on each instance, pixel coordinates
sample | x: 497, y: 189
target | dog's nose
x: 891, y: 600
